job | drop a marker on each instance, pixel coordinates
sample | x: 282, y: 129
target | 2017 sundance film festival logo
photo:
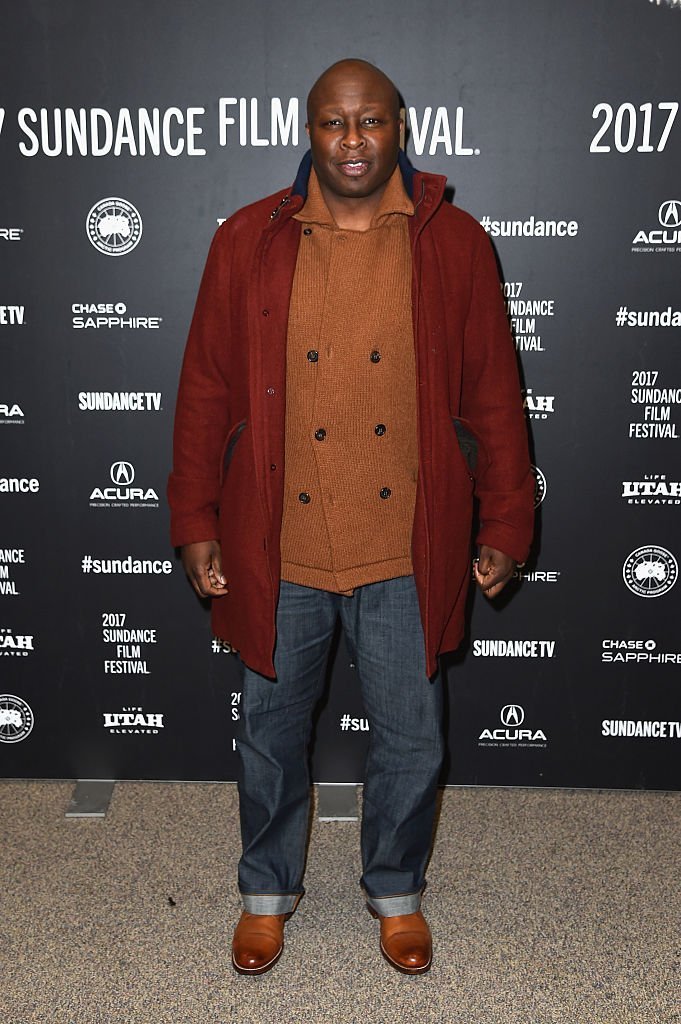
x: 666, y: 237
x: 122, y: 494
x: 650, y: 571
x: 511, y: 733
x: 655, y: 402
x: 129, y: 644
x: 525, y: 316
x: 16, y: 719
x: 9, y: 558
x: 114, y: 226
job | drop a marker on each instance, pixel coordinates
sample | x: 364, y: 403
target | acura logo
x: 669, y: 213
x: 122, y: 473
x: 512, y: 715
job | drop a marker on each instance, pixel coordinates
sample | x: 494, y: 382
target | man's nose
x: 352, y: 137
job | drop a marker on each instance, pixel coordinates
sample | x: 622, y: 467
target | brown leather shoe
x: 258, y: 942
x: 405, y: 942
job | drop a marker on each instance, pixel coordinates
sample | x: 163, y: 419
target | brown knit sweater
x: 351, y: 455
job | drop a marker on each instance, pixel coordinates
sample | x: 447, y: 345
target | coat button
x: 313, y: 355
x: 380, y: 429
x: 270, y: 391
x: 265, y: 312
x: 304, y: 497
x: 375, y: 356
x: 307, y: 231
x: 273, y: 466
x: 320, y: 434
x: 385, y: 492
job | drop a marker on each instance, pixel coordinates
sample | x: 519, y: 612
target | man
x: 349, y: 381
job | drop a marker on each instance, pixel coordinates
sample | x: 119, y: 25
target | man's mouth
x: 354, y: 168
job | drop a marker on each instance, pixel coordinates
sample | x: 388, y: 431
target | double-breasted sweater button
x: 385, y: 492
x: 313, y: 355
x: 380, y: 429
x: 304, y: 497
x: 320, y: 434
x: 375, y: 356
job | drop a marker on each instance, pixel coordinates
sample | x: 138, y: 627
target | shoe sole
x: 256, y: 970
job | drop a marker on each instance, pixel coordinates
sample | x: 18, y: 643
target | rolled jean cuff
x: 270, y: 902
x: 393, y: 906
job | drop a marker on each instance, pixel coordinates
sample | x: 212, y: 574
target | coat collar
x: 425, y: 190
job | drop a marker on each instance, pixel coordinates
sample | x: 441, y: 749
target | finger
x: 216, y: 589
x: 490, y: 577
x: 216, y: 566
x: 494, y: 590
x: 207, y: 584
x: 201, y: 580
x: 485, y: 562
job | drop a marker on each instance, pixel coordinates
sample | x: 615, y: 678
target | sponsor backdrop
x: 126, y: 135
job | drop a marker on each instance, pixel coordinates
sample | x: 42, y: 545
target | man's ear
x: 307, y: 129
x: 402, y: 127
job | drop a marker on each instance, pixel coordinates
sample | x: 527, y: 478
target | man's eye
x: 371, y: 120
x: 332, y: 123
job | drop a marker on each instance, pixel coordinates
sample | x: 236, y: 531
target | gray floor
x: 545, y: 906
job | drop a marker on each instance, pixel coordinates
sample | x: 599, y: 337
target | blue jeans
x: 383, y: 629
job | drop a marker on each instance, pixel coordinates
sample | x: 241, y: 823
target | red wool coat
x: 228, y: 468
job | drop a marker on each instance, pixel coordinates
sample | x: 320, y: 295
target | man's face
x: 354, y: 128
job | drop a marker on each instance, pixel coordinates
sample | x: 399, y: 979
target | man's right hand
x: 203, y: 564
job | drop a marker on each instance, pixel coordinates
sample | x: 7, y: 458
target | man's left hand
x: 493, y: 569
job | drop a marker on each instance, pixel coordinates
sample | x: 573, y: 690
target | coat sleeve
x: 491, y: 402
x: 202, y: 412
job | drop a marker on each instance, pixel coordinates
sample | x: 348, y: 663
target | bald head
x: 353, y: 120
x: 346, y: 77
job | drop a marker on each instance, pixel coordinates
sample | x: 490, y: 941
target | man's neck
x: 353, y: 214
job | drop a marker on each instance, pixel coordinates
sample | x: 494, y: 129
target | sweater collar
x: 394, y: 200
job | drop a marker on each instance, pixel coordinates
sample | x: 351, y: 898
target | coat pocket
x: 228, y: 448
x: 470, y: 445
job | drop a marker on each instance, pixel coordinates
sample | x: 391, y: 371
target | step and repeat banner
x: 128, y: 132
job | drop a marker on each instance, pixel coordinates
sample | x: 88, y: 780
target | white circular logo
x: 16, y: 718
x: 650, y: 571
x: 539, y: 485
x: 114, y: 226
x: 669, y: 213
x: 512, y: 714
x: 122, y: 473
